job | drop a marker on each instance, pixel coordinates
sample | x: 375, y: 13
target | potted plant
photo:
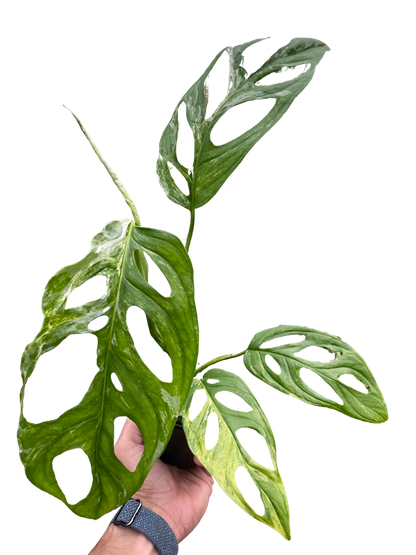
x: 119, y: 253
x: 177, y: 452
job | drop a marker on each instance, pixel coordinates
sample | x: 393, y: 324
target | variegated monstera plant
x: 122, y: 253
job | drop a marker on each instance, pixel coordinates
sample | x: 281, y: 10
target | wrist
x: 119, y: 540
x: 137, y: 542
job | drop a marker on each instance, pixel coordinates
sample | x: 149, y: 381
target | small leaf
x: 123, y: 385
x: 228, y: 454
x: 369, y: 406
x: 214, y: 164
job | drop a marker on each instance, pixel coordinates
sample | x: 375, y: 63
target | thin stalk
x: 191, y: 230
x: 119, y: 185
x: 218, y: 359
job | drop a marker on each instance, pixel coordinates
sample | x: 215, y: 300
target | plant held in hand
x: 119, y: 253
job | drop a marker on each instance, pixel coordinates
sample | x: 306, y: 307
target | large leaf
x: 228, y: 454
x: 369, y: 406
x: 214, y: 164
x: 117, y: 253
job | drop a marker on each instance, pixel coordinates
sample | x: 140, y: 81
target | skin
x: 180, y: 496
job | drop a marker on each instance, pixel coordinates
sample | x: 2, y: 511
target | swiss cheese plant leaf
x: 117, y: 253
x: 228, y: 454
x: 369, y: 406
x: 213, y: 164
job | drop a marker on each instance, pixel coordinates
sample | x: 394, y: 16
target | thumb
x: 198, y: 463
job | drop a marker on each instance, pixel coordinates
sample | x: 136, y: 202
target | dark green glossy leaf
x: 214, y: 164
x: 228, y: 454
x: 117, y: 253
x: 369, y: 406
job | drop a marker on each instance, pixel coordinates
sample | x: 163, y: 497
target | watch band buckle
x: 139, y: 506
x: 135, y: 512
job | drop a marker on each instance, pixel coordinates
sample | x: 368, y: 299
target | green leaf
x: 228, y: 454
x: 214, y: 164
x: 117, y: 253
x: 369, y: 406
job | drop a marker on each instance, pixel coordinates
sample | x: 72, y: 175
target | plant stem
x: 218, y: 359
x: 191, y: 230
x: 119, y: 185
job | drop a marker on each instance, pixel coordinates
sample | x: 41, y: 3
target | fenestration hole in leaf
x: 73, y: 473
x: 197, y: 403
x: 179, y: 179
x: 315, y: 353
x: 355, y: 383
x: 291, y: 338
x: 185, y: 145
x: 118, y: 426
x: 241, y: 117
x: 98, y: 323
x: 212, y: 381
x: 285, y: 74
x: 159, y: 282
x: 238, y: 120
x: 90, y: 291
x: 146, y: 346
x: 316, y: 384
x: 116, y: 382
x: 255, y: 445
x: 232, y: 401
x: 67, y: 370
x: 249, y: 490
x: 273, y: 363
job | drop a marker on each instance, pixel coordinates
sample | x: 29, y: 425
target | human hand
x: 180, y: 496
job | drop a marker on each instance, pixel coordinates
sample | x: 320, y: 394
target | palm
x: 179, y: 496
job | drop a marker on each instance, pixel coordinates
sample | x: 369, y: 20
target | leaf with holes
x: 117, y: 253
x: 369, y: 406
x: 214, y: 164
x: 223, y: 460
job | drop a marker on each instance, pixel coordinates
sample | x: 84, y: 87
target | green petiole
x: 218, y: 359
